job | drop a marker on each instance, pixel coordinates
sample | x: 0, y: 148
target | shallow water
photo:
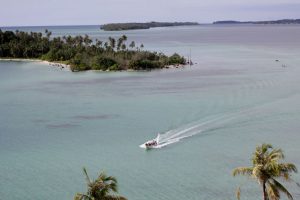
x: 54, y: 122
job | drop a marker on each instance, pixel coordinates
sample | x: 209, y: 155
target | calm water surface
x: 54, y: 122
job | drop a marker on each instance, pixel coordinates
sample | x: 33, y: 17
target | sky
x: 96, y: 12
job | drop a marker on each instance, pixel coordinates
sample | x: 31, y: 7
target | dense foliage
x: 82, y: 53
x: 131, y: 26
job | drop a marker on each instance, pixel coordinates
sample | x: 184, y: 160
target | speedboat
x: 151, y: 143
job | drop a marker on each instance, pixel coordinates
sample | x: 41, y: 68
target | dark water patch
x: 61, y: 126
x: 106, y: 80
x: 39, y: 121
x: 94, y: 117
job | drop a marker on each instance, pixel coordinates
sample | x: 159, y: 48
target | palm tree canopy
x: 103, y: 188
x: 266, y: 167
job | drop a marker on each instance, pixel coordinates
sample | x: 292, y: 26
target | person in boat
x: 153, y: 143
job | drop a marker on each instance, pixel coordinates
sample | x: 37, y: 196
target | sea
x: 243, y: 90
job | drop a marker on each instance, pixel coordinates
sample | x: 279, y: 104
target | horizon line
x: 203, y: 23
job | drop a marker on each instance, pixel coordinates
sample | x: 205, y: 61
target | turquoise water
x: 54, y: 122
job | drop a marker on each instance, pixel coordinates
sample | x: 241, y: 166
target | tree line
x: 82, y: 53
x: 133, y: 26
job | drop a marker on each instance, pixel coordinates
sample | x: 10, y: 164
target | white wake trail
x: 189, y: 130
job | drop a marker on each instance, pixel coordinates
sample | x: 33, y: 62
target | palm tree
x: 121, y: 41
x: 112, y: 42
x: 132, y: 44
x: 266, y: 169
x: 100, y: 189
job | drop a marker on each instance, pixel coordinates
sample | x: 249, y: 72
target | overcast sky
x: 73, y: 12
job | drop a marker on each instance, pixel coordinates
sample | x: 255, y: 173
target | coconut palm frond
x: 266, y: 167
x: 272, y: 192
x: 79, y: 196
x: 113, y: 186
x: 242, y: 171
x: 114, y: 197
x: 110, y: 178
x: 88, y: 180
x: 276, y: 154
x: 288, y: 167
x: 102, y: 175
x: 264, y: 148
x: 258, y: 172
x: 100, y: 189
x: 282, y: 189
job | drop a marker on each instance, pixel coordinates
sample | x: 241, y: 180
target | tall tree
x: 121, y: 41
x: 267, y: 168
x: 132, y: 44
x: 103, y: 188
x: 112, y: 42
x: 87, y: 41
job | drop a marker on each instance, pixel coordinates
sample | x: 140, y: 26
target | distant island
x: 82, y: 53
x: 282, y: 21
x: 133, y: 26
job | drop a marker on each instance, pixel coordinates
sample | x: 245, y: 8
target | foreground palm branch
x: 103, y: 188
x: 266, y: 169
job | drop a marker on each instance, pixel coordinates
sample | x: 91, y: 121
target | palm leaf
x: 114, y: 197
x: 272, y: 192
x: 282, y: 189
x: 276, y: 154
x: 79, y: 196
x: 110, y: 178
x: 242, y: 171
x: 88, y: 180
x: 288, y: 167
x: 266, y: 167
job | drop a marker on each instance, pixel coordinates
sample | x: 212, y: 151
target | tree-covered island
x: 133, y: 26
x: 82, y: 53
x: 281, y: 21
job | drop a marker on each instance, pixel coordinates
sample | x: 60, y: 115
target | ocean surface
x: 54, y: 122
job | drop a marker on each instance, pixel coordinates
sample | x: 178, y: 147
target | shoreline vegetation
x: 135, y: 26
x: 281, y: 21
x: 81, y: 53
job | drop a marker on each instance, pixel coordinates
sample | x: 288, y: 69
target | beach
x: 55, y: 64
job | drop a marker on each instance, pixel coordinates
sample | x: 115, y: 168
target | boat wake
x: 189, y: 130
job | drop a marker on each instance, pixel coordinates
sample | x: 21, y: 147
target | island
x: 82, y: 53
x: 282, y: 21
x: 133, y: 26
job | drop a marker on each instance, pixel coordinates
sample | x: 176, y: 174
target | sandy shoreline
x: 61, y: 65
x: 56, y: 64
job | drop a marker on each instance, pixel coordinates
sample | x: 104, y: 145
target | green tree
x: 266, y: 169
x: 121, y: 41
x: 103, y: 188
x: 176, y: 59
x: 132, y: 45
x: 80, y: 52
x: 48, y: 33
x: 112, y: 42
x: 123, y: 47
